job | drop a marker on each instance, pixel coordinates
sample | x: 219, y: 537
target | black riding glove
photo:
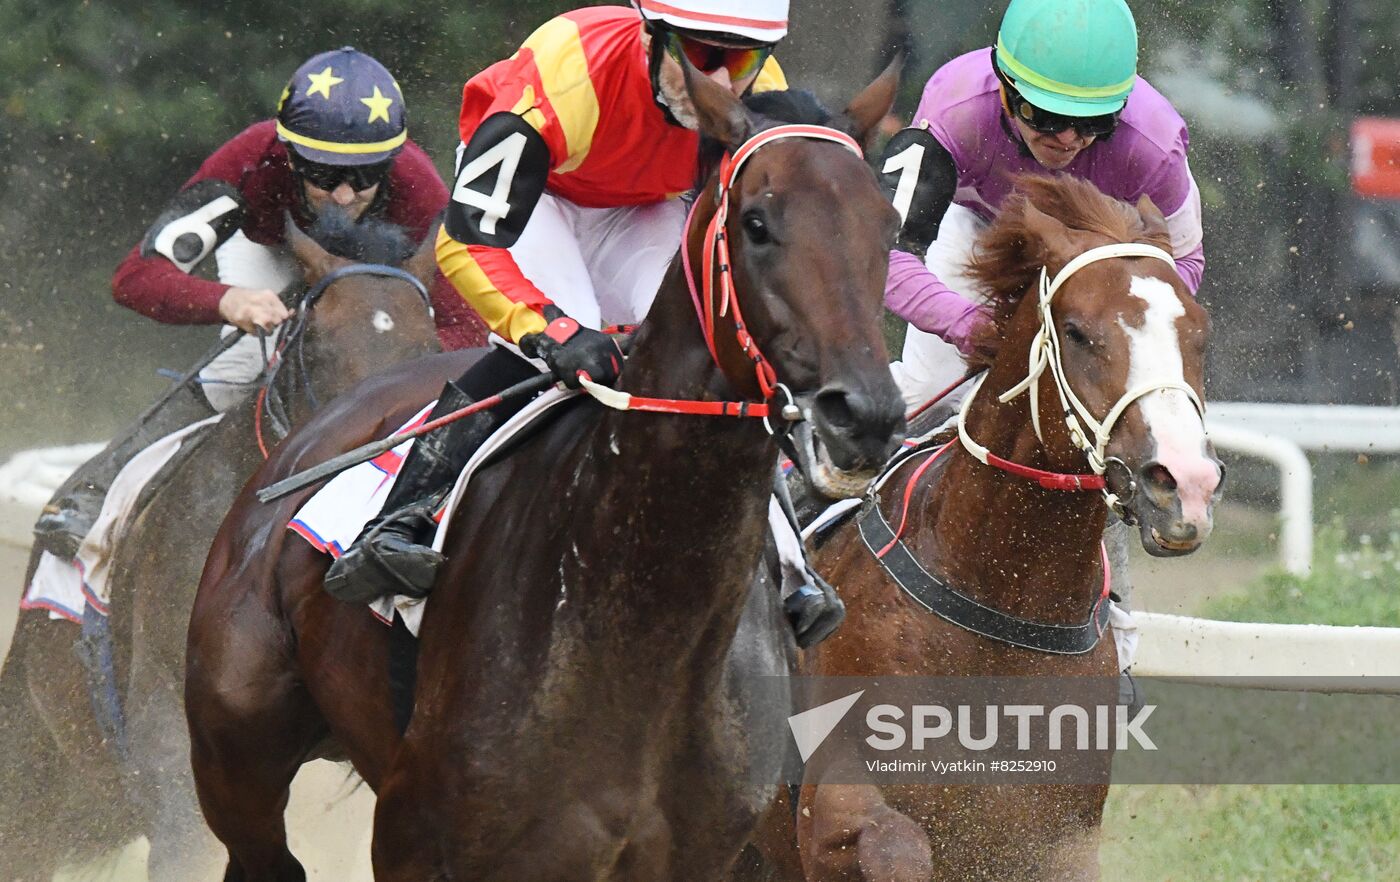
x: 571, y: 349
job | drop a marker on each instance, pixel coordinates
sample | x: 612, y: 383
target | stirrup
x: 814, y: 611
x: 388, y: 558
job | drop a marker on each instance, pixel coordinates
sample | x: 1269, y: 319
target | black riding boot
x: 393, y: 553
x: 69, y: 515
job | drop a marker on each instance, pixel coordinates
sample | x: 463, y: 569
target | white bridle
x: 1045, y: 352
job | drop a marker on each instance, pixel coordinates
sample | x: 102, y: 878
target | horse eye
x: 756, y: 229
x: 1076, y: 336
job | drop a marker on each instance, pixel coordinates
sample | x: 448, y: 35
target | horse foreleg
x: 771, y: 855
x: 181, y: 845
x: 848, y: 833
x: 252, y: 724
x: 53, y: 760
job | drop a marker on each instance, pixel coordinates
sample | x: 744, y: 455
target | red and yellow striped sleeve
x: 549, y: 86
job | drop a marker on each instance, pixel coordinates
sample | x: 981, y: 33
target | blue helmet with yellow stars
x: 342, y: 108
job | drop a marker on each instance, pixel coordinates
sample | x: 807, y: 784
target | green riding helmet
x: 1071, y: 57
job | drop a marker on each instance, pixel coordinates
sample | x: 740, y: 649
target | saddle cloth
x: 332, y: 518
x: 65, y: 587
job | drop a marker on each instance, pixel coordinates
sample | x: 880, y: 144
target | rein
x: 1045, y: 354
x: 718, y: 284
x: 290, y: 334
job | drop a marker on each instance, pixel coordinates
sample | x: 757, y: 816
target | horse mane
x: 775, y: 107
x: 368, y: 240
x: 1008, y: 256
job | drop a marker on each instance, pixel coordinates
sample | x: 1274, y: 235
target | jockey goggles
x: 328, y: 177
x: 1047, y: 123
x: 742, y: 62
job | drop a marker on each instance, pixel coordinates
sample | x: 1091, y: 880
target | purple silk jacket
x: 962, y: 108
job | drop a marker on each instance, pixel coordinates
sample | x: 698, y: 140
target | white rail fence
x: 1281, y: 433
x: 1242, y: 653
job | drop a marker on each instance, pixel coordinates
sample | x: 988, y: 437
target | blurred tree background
x: 106, y: 108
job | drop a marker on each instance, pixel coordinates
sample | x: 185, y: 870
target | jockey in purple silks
x: 1058, y: 93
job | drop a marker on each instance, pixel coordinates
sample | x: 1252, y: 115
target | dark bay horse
x: 75, y: 799
x: 571, y: 721
x: 1128, y: 340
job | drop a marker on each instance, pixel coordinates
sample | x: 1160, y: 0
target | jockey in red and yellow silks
x: 564, y: 215
x: 573, y: 116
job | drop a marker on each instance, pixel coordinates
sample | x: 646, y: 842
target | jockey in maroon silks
x: 339, y: 141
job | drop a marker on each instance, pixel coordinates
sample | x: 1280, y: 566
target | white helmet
x: 762, y: 20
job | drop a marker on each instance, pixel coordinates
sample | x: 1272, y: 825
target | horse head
x: 805, y: 231
x: 366, y: 303
x: 1116, y: 347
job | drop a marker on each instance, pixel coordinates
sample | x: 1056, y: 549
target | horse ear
x: 863, y: 115
x: 423, y: 264
x: 1154, y: 223
x: 315, y: 260
x: 721, y: 115
x: 1054, y: 238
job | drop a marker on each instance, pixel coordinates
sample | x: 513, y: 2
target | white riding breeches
x: 928, y: 364
x: 602, y: 266
x: 244, y: 263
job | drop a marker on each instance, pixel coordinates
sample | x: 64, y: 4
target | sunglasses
x: 742, y: 62
x: 1047, y: 123
x: 329, y: 177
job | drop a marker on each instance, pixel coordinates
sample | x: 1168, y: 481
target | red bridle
x: 718, y: 275
x: 718, y: 279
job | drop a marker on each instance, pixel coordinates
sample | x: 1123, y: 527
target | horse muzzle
x: 1174, y: 503
x: 847, y: 437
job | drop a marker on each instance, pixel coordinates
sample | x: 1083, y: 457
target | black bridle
x: 289, y: 337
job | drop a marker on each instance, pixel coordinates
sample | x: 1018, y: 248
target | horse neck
x: 1003, y: 539
x: 695, y: 487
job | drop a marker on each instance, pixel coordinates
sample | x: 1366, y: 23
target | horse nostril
x: 1159, y: 477
x: 835, y: 408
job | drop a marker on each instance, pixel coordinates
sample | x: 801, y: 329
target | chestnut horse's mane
x: 1007, y: 259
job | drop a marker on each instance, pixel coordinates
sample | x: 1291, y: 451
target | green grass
x: 1260, y: 834
x: 1355, y: 581
x: 1294, y: 833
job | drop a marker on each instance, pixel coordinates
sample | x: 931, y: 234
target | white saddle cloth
x: 332, y: 518
x: 64, y: 587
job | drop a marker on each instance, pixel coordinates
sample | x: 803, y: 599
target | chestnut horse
x: 73, y: 797
x: 571, y: 719
x: 1128, y: 340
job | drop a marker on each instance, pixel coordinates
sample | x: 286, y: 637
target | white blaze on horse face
x: 1171, y: 418
x: 382, y: 321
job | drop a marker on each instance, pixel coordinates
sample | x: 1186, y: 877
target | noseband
x: 1045, y: 353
